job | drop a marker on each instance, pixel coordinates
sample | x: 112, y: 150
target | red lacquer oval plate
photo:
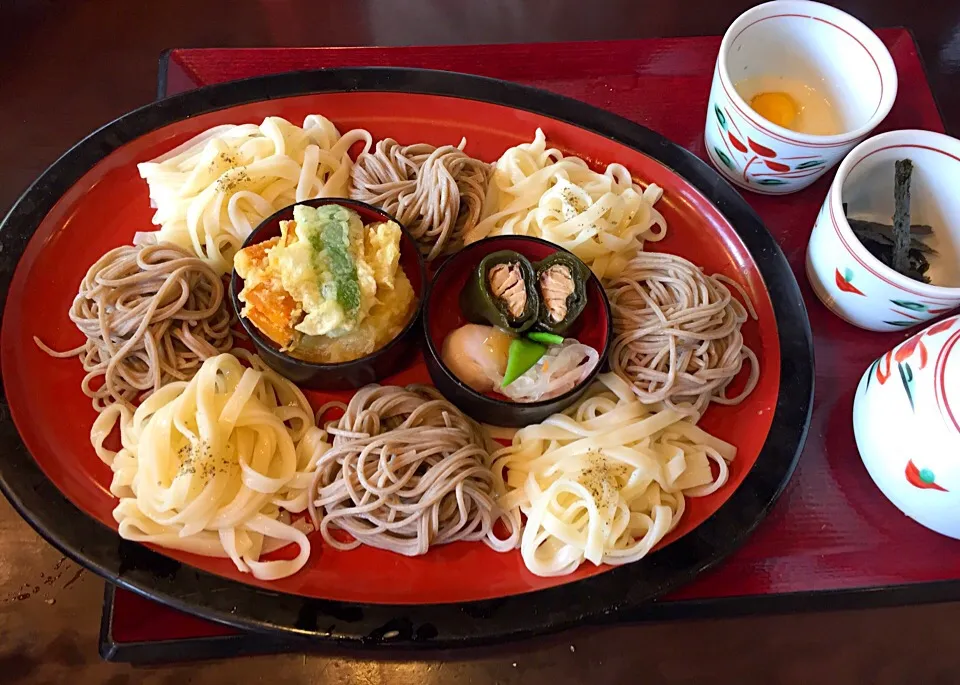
x: 101, y: 205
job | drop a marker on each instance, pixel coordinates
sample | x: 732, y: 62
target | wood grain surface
x: 68, y: 67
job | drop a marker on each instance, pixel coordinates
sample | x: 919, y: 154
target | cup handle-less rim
x: 817, y: 11
x: 950, y: 296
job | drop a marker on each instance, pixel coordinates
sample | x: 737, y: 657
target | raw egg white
x: 791, y: 103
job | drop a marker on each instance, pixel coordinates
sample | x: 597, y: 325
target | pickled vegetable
x: 522, y: 356
x: 545, y: 338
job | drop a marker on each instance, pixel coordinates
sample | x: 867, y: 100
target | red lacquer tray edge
x: 115, y: 646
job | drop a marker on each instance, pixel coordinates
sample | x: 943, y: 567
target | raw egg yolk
x: 779, y: 108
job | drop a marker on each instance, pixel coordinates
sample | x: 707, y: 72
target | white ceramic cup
x: 850, y: 281
x: 810, y: 42
x: 906, y: 419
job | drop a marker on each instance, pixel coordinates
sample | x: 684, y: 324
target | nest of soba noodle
x: 151, y: 314
x: 407, y: 470
x: 437, y: 193
x: 677, y: 333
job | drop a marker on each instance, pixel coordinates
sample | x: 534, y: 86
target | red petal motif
x: 761, y: 150
x: 736, y: 142
x: 882, y: 375
x: 906, y: 350
x: 939, y: 327
x: 913, y: 477
x: 845, y: 285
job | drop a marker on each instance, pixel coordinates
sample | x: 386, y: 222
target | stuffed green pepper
x: 562, y: 290
x: 502, y: 292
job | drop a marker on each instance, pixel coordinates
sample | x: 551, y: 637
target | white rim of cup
x: 847, y: 23
x: 930, y: 139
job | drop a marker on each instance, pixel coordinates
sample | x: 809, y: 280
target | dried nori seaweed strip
x: 901, y: 215
x: 883, y: 234
x: 918, y: 264
x: 880, y: 239
x: 916, y: 230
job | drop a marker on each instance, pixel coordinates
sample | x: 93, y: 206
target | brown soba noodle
x: 437, y: 193
x: 406, y: 471
x: 151, y: 314
x: 677, y: 333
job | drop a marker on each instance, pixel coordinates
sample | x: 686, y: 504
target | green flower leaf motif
x: 809, y: 164
x: 912, y: 306
x: 903, y: 324
x: 771, y: 182
x: 873, y: 366
x: 906, y: 377
x: 725, y: 159
x: 848, y: 274
x: 926, y: 475
x: 720, y: 117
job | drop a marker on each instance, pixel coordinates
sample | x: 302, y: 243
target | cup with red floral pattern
x: 848, y: 278
x: 906, y: 419
x: 799, y: 42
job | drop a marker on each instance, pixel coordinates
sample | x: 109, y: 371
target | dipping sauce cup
x: 795, y: 41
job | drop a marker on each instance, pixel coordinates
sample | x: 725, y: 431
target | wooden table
x: 66, y: 68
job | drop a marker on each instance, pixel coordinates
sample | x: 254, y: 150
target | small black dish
x: 442, y: 315
x: 344, y: 375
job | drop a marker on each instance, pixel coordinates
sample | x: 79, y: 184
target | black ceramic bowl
x: 442, y: 315
x: 345, y: 375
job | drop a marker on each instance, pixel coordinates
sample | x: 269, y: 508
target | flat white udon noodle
x: 213, y: 190
x: 234, y: 500
x: 602, y: 218
x: 605, y: 481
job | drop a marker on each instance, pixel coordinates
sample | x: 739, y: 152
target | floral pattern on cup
x: 798, y: 41
x: 906, y: 430
x: 844, y: 282
x: 908, y: 312
x: 923, y: 479
x: 741, y: 153
x: 853, y: 284
x: 911, y: 312
x: 913, y: 350
x: 903, y: 354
